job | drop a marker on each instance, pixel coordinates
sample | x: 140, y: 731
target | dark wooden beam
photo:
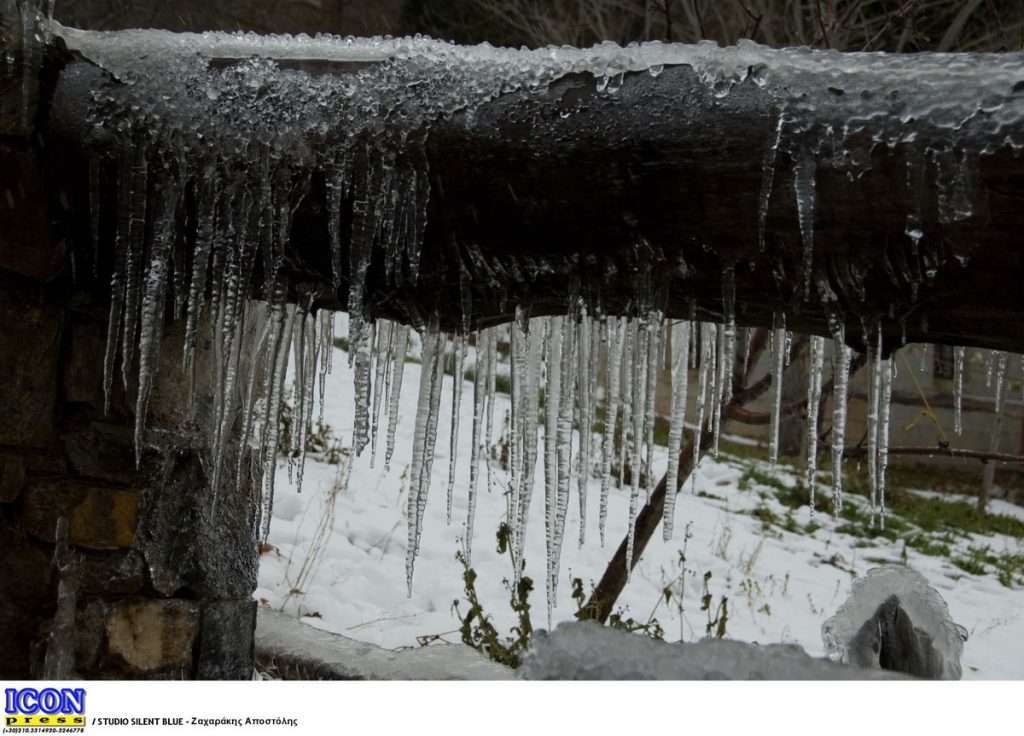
x: 652, y: 196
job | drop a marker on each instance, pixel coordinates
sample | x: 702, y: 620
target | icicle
x: 200, y: 264
x: 118, y: 284
x: 298, y: 426
x: 628, y: 361
x: 874, y: 365
x: 641, y: 336
x: 360, y: 338
x: 336, y: 186
x: 585, y: 369
x: 803, y: 186
x: 958, y: 388
x: 718, y: 378
x: 653, y: 330
x: 564, y: 441
x: 307, y: 356
x: 481, y: 371
x: 817, y: 362
x: 778, y: 356
x: 708, y: 335
x: 385, y: 338
x: 729, y: 327
x: 397, y: 371
x: 990, y: 366
x: 519, y: 347
x: 557, y: 435
x: 459, y: 349
x: 680, y: 359
x: 529, y: 423
x: 274, y: 388
x: 258, y: 313
x: 325, y: 332
x: 615, y: 343
x: 492, y: 363
x: 134, y: 260
x: 767, y: 179
x: 883, y: 435
x: 841, y: 369
x: 152, y: 310
x: 424, y: 438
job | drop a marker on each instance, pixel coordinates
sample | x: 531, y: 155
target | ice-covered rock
x: 894, y: 620
x: 589, y: 651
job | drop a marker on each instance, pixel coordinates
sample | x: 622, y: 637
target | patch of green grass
x: 1007, y: 566
x: 755, y: 474
x: 973, y: 561
x: 937, y: 514
x: 928, y: 545
x: 766, y: 516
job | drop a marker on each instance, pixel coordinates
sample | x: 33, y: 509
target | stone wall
x: 107, y: 570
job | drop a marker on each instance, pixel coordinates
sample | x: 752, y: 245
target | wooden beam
x: 658, y: 195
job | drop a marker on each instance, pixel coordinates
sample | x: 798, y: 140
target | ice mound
x: 894, y: 620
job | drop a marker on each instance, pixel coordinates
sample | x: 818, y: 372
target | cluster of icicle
x: 239, y: 143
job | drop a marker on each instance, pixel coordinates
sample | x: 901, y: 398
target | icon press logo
x: 49, y: 708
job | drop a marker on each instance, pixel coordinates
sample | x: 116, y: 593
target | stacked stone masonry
x: 153, y: 580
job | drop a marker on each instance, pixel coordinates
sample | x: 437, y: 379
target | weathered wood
x: 648, y: 196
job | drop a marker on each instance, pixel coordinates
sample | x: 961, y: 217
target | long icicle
x: 552, y: 402
x: 459, y: 349
x: 564, y: 429
x: 841, y: 370
x: 614, y: 343
x: 680, y: 379
x: 481, y: 370
x: 874, y: 390
x: 584, y: 369
x: 425, y: 434
x: 814, y: 382
x: 397, y: 371
x: 778, y: 357
x: 385, y: 342
x: 641, y: 336
x: 708, y: 336
x: 883, y: 436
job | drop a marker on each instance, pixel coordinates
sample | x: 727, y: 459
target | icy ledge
x: 589, y: 651
x: 300, y: 651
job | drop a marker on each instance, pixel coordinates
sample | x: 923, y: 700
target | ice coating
x: 847, y: 638
x: 590, y: 651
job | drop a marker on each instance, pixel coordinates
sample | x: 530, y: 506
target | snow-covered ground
x: 336, y: 556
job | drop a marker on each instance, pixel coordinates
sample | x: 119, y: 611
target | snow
x: 348, y: 544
